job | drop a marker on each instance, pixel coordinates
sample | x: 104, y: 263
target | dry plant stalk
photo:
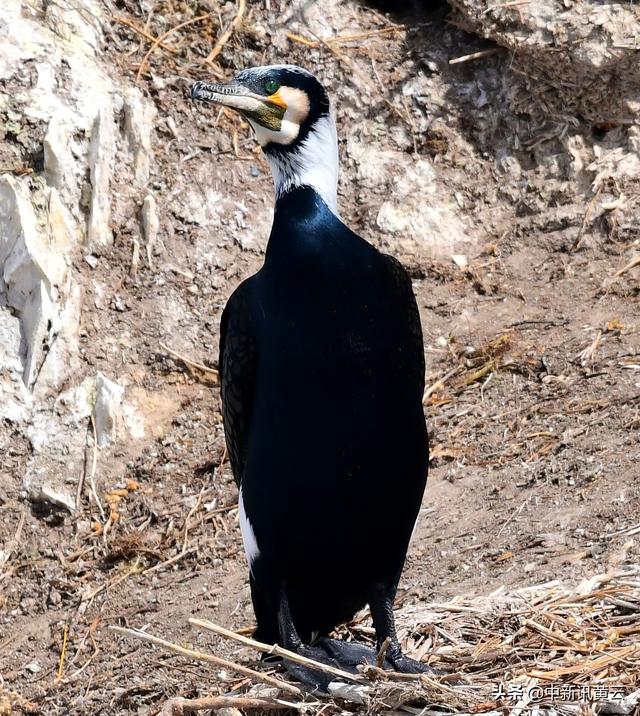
x: 164, y: 36
x: 541, y: 635
x: 476, y: 55
x: 588, y: 354
x: 147, y: 35
x: 224, y: 38
x: 180, y: 706
x: 191, y: 365
x: 635, y: 261
x: 274, y: 649
x: 343, y: 39
x: 210, y: 658
x: 438, y: 384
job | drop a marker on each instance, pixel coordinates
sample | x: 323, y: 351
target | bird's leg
x: 381, y: 605
x: 290, y: 640
x: 267, y: 630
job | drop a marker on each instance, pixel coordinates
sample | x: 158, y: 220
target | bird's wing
x: 237, y: 366
x: 403, y: 291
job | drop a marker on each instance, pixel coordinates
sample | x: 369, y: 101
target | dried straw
x: 548, y: 646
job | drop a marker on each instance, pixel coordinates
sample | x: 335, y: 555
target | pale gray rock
x: 58, y: 436
x: 101, y: 158
x: 37, y: 319
x: 418, y: 215
x: 14, y: 398
x: 59, y: 163
x: 34, y: 269
x: 22, y: 261
x: 108, y: 410
x: 431, y: 226
x: 138, y: 120
x: 43, y: 222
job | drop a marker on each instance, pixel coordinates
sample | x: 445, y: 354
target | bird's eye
x: 271, y: 86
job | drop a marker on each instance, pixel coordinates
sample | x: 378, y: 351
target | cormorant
x: 322, y: 377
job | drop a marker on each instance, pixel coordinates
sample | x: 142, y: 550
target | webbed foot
x: 313, y: 678
x: 349, y: 654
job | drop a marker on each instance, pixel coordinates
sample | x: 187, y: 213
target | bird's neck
x: 313, y: 163
x: 304, y: 228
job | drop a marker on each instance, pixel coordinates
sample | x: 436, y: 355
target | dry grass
x: 558, y: 648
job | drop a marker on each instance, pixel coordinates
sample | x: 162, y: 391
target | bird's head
x: 289, y: 111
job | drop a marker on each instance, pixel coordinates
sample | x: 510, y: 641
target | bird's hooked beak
x: 267, y: 111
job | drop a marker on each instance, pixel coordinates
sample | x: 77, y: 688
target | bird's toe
x: 348, y: 654
x: 406, y: 665
x: 310, y: 677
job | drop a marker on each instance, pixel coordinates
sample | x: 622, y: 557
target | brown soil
x: 535, y: 444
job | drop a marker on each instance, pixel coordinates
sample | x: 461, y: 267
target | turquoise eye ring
x: 271, y: 86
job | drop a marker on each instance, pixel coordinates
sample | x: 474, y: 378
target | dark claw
x: 407, y: 665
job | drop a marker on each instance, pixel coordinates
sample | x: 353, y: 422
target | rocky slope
x: 508, y: 185
x: 79, y: 169
x: 67, y: 127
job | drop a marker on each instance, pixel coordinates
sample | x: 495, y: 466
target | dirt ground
x: 534, y: 427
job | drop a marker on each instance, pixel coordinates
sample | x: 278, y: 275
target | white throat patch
x: 314, y: 163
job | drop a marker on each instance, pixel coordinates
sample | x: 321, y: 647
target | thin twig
x: 144, y: 33
x: 180, y: 706
x: 274, y: 649
x: 513, y: 515
x: 190, y: 363
x: 554, y: 637
x: 171, y: 561
x: 210, y: 658
x: 587, y: 355
x: 224, y: 38
x: 112, y: 583
x: 63, y: 652
x: 345, y: 60
x: 512, y: 3
x: 158, y: 40
x: 300, y: 40
x: 185, y: 542
x: 635, y: 261
x: 476, y: 55
x: 92, y: 474
x: 341, y: 39
x: 440, y: 383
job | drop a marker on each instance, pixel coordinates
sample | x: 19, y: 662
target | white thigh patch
x: 248, y: 535
x: 415, y: 527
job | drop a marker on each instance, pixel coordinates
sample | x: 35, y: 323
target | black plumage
x: 322, y: 377
x: 322, y: 371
